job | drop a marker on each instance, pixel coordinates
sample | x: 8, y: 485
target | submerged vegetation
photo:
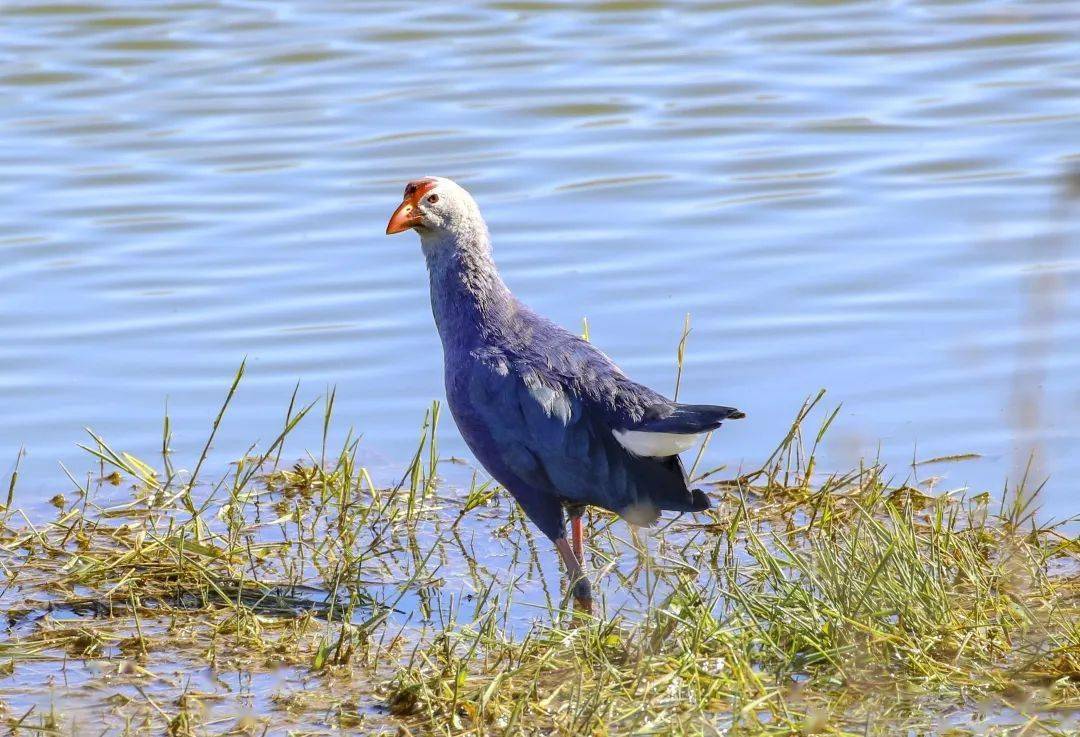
x: 308, y: 598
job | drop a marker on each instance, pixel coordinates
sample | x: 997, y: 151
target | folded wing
x: 556, y: 440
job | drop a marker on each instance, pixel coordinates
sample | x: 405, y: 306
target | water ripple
x: 863, y: 196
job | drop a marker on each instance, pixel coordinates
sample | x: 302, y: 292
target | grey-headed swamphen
x: 549, y: 416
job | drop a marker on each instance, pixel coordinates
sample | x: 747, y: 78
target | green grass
x: 804, y: 603
x: 849, y: 607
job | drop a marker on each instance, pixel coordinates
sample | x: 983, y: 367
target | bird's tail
x: 691, y: 419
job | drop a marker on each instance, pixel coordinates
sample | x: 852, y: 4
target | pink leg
x: 577, y: 532
x: 579, y: 584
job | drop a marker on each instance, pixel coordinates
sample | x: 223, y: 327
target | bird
x: 547, y: 414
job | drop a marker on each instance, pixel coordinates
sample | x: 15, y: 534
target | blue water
x: 869, y: 197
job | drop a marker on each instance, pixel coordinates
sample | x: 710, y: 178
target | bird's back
x: 542, y: 409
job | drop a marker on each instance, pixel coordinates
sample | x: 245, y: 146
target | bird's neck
x: 469, y: 300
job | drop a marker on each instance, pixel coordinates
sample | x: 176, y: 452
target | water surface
x: 867, y: 197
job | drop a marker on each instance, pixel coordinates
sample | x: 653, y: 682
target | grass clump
x: 144, y: 569
x: 849, y: 607
x: 801, y: 604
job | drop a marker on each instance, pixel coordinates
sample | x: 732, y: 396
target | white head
x: 438, y: 208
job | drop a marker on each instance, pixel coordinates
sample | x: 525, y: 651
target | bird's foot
x: 581, y: 590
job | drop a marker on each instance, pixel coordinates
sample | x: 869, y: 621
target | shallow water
x: 120, y: 611
x: 871, y: 198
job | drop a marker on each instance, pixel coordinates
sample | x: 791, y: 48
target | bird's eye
x: 433, y: 198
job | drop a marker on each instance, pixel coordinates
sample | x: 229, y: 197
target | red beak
x: 408, y: 213
x: 405, y: 217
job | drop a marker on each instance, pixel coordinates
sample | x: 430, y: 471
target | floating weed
x: 306, y: 597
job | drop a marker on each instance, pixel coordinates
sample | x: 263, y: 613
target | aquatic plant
x: 804, y: 603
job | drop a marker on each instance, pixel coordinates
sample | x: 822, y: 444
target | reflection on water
x: 860, y: 196
x: 1045, y: 296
